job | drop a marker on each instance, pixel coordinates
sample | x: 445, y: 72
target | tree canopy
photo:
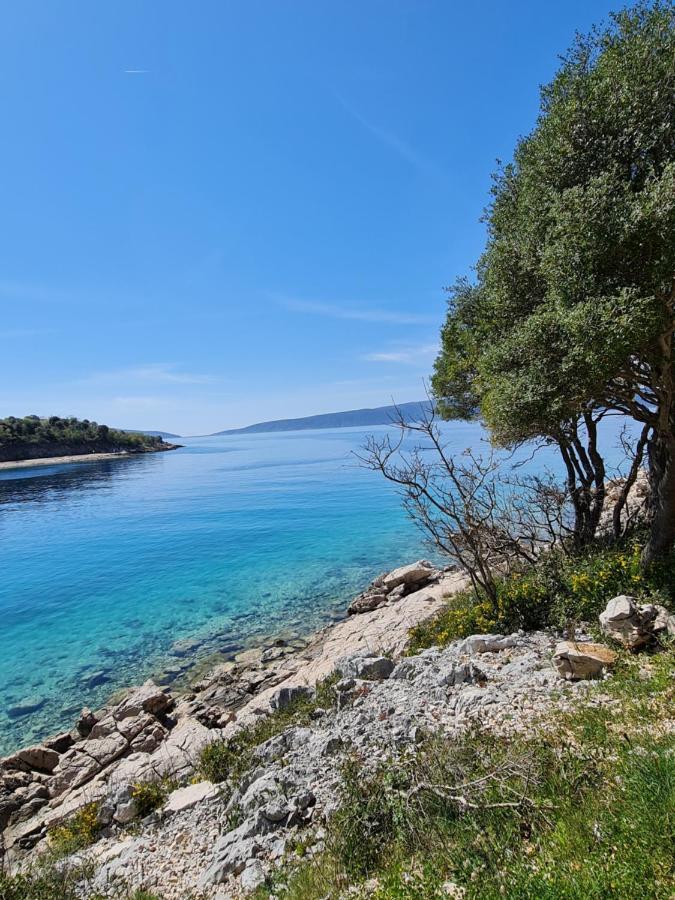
x: 572, y: 305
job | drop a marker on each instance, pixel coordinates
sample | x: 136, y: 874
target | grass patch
x: 223, y: 760
x: 558, y: 589
x: 585, y: 809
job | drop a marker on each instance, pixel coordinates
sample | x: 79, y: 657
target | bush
x: 78, y: 832
x: 150, y: 795
x: 555, y: 591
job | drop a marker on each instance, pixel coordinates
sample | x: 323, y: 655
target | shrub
x: 556, y: 590
x: 78, y: 832
x: 150, y: 795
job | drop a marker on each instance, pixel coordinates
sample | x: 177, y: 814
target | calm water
x: 106, y: 565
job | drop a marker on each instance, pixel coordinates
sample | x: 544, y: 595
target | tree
x: 572, y: 310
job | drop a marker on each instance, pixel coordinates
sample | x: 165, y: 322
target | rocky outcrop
x: 393, y: 586
x: 154, y: 733
x: 229, y: 839
x: 634, y: 626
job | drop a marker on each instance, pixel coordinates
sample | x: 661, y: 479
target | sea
x: 115, y: 571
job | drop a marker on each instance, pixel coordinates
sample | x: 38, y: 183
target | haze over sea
x: 105, y: 565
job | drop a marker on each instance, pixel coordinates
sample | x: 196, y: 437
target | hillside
x: 31, y: 437
x: 352, y: 418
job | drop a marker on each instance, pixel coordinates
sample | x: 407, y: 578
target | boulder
x: 148, y: 698
x: 252, y: 877
x: 290, y: 694
x: 40, y: 759
x: 415, y: 573
x: 664, y: 623
x: 367, y: 668
x: 576, y: 661
x: 486, y: 643
x: 86, y: 722
x: 366, y: 603
x: 189, y: 796
x: 627, y: 623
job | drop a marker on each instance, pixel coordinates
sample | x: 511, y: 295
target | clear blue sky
x: 219, y: 212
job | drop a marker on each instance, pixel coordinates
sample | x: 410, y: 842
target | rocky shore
x: 222, y: 839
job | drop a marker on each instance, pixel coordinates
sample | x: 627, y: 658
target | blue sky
x: 219, y: 212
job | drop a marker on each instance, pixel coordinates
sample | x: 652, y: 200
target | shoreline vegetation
x: 35, y: 441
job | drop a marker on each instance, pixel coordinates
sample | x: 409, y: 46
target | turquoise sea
x: 105, y: 565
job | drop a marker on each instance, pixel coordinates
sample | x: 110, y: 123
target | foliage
x: 230, y: 759
x: 150, y: 795
x: 17, y: 436
x: 76, y: 833
x: 573, y: 308
x: 540, y: 816
x: 556, y: 590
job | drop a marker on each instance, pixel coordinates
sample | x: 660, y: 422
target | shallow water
x: 228, y: 540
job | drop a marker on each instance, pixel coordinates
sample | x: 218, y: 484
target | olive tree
x: 572, y: 310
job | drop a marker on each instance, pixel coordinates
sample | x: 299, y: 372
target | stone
x: 486, y: 643
x: 415, y: 573
x: 290, y: 694
x: 86, y: 722
x: 368, y: 668
x: 252, y: 877
x: 25, y: 707
x: 576, y: 661
x: 41, y: 759
x: 148, y: 698
x: 366, y: 603
x: 231, y: 853
x: 60, y: 742
x: 625, y: 622
x: 664, y: 621
x: 189, y: 796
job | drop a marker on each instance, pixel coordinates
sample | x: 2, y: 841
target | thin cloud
x: 419, y: 354
x: 149, y: 373
x: 136, y: 71
x: 395, y: 143
x: 358, y: 314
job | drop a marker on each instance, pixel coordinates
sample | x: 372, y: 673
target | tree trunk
x: 661, y: 452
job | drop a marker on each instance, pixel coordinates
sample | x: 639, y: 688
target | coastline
x: 212, y: 705
x: 80, y: 457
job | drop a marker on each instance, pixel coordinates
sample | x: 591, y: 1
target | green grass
x: 583, y: 810
x: 555, y: 591
x: 47, y: 882
x: 223, y: 760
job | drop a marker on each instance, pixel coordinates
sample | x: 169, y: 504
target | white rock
x: 413, y: 574
x: 575, y: 661
x: 187, y: 797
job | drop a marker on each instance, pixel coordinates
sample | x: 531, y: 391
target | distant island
x: 352, y: 418
x: 34, y: 438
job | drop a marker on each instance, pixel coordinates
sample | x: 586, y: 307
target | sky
x: 218, y: 212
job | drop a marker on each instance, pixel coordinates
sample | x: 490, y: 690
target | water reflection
x: 45, y: 484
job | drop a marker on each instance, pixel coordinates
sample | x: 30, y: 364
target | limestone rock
x: 290, y: 694
x: 189, y: 796
x: 576, y: 661
x: 626, y: 622
x: 366, y: 603
x: 415, y: 573
x: 148, y: 698
x: 486, y: 643
x: 41, y: 759
x: 367, y: 668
